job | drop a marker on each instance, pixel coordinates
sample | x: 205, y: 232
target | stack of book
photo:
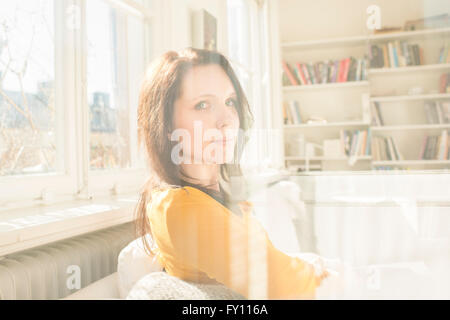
x: 395, y: 54
x: 385, y: 148
x: 435, y: 147
x: 328, y: 71
x: 356, y: 143
x: 444, y: 54
x: 438, y: 112
x: 291, y: 112
x: 377, y: 119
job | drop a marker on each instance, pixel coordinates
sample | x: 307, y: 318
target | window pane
x: 27, y: 73
x: 110, y: 49
x: 238, y: 31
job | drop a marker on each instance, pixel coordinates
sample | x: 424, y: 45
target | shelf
x: 349, y: 84
x: 294, y: 158
x: 434, y: 96
x: 362, y: 40
x: 428, y: 67
x: 330, y: 124
x: 411, y: 127
x: 417, y: 34
x: 411, y: 162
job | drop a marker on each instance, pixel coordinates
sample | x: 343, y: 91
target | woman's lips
x: 223, y: 141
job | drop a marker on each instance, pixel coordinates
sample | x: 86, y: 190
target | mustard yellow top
x: 198, y: 239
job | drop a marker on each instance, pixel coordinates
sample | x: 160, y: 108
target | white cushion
x: 162, y: 286
x: 134, y: 263
x: 279, y: 208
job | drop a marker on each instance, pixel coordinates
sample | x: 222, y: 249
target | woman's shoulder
x: 163, y: 200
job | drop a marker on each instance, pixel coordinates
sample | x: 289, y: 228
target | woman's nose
x: 225, y: 116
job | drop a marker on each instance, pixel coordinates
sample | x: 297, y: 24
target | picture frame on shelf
x: 204, y: 30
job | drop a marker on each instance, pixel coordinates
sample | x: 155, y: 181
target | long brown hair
x: 160, y: 89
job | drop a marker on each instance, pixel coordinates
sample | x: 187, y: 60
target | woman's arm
x: 197, y: 233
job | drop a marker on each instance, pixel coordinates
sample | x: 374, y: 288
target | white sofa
x: 411, y: 279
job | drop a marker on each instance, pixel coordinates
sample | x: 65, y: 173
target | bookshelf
x: 401, y: 90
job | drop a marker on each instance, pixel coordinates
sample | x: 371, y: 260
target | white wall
x: 319, y: 19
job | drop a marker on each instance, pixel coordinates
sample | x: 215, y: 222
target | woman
x: 192, y: 117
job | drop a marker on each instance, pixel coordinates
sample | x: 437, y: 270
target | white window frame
x: 76, y: 181
x: 260, y: 73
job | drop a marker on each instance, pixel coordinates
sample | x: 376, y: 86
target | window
x: 248, y: 48
x: 28, y: 131
x: 70, y: 72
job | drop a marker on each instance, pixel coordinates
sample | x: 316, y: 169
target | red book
x: 288, y: 72
x: 300, y: 71
x: 341, y: 71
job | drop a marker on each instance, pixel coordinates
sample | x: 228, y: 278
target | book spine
x: 362, y: 150
x: 391, y: 55
x: 391, y: 149
x: 289, y: 73
x: 406, y: 53
x: 311, y: 73
x: 335, y: 70
x: 416, y: 54
x: 297, y: 110
x: 421, y: 57
x: 285, y: 117
x: 354, y: 142
x: 443, y: 83
x: 317, y: 72
x: 394, y: 49
x: 422, y: 149
x: 378, y: 110
x: 300, y: 71
x: 346, y: 70
x: 293, y: 113
x: 305, y: 73
x: 428, y: 112
x: 386, y: 63
x: 369, y: 142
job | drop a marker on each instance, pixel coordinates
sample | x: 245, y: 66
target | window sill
x: 22, y: 229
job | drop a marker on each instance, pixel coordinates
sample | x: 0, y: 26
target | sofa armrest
x: 103, y: 289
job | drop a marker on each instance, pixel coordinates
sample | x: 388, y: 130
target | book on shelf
x: 385, y: 148
x: 328, y: 71
x: 435, y: 147
x: 289, y: 73
x: 395, y: 53
x: 437, y: 112
x: 291, y: 112
x: 444, y: 54
x: 444, y: 83
x: 432, y: 22
x: 355, y: 143
x: 377, y: 119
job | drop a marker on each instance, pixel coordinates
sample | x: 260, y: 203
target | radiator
x: 56, y: 270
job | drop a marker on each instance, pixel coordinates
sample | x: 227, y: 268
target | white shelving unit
x: 342, y: 103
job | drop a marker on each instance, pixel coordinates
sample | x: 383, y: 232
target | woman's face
x: 205, y: 116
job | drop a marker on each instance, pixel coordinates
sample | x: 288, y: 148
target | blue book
x: 395, y: 56
x: 297, y: 110
x: 367, y: 152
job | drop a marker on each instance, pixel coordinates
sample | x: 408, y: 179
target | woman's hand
x: 322, y: 267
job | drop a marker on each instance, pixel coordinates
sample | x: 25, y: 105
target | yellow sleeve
x: 195, y: 232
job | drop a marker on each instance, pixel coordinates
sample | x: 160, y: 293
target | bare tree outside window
x: 27, y: 74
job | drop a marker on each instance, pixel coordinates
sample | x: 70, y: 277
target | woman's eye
x: 232, y: 101
x: 201, y: 106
